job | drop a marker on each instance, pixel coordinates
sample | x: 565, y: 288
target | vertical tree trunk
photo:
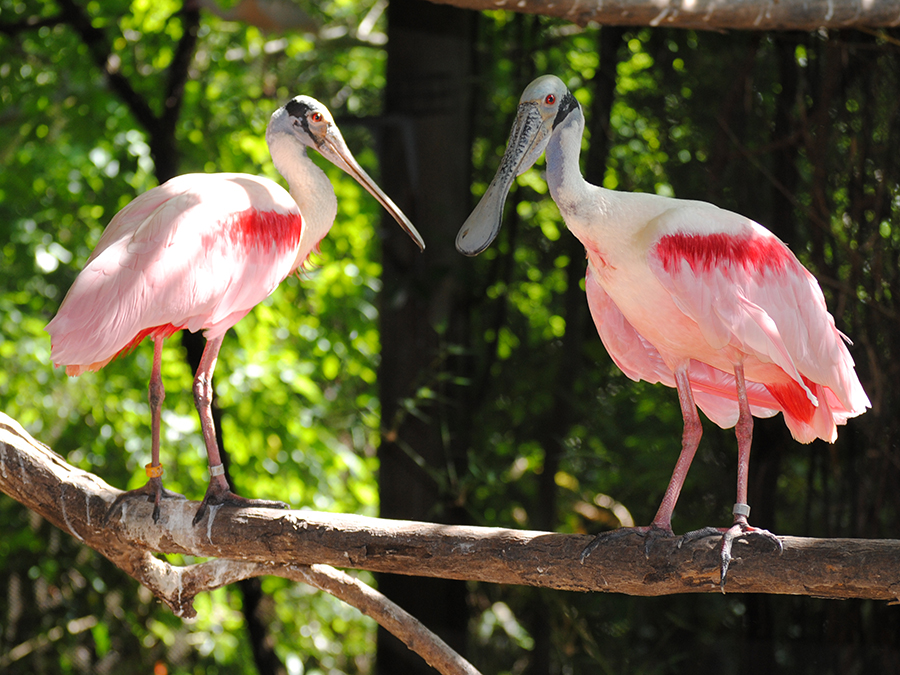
x: 425, y: 167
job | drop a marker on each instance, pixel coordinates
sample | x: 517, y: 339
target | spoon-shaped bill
x: 527, y: 140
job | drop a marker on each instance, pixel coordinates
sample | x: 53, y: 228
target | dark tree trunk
x: 425, y: 168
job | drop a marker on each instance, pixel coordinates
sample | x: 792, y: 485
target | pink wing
x: 198, y: 252
x: 714, y: 390
x: 745, y: 289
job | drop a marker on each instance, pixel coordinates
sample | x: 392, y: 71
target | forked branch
x: 74, y: 501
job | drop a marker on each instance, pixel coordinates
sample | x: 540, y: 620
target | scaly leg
x: 218, y: 492
x: 744, y: 432
x: 690, y: 439
x: 741, y: 527
x: 153, y: 490
x: 661, y: 526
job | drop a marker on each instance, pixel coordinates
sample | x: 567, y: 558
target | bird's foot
x: 741, y: 529
x: 153, y: 492
x: 650, y: 533
x: 216, y: 495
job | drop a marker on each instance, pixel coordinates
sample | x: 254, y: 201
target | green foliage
x: 794, y: 130
x: 295, y: 379
x: 746, y: 122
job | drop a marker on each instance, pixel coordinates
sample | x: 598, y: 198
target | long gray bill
x: 523, y: 149
x: 336, y: 151
x: 483, y: 224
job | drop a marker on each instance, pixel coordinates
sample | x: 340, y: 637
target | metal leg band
x: 741, y: 510
x: 217, y: 470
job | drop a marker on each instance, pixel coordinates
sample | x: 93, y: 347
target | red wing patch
x: 252, y: 229
x: 704, y: 252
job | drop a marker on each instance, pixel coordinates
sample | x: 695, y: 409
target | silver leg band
x: 219, y: 470
x: 741, y: 510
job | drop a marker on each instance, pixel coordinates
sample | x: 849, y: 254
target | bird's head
x: 305, y: 120
x: 544, y: 105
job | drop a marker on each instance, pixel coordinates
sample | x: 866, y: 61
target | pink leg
x: 744, y: 432
x: 153, y: 490
x: 156, y: 394
x: 661, y: 526
x: 219, y: 492
x: 203, y: 393
x: 690, y: 439
x: 741, y: 527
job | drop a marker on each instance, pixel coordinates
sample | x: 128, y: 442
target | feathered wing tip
x: 713, y: 394
x: 839, y: 393
x: 156, y: 332
x: 74, y: 371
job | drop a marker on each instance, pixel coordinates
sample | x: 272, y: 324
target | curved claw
x: 219, y: 496
x: 650, y: 533
x: 153, y: 491
x: 741, y: 529
x: 702, y: 533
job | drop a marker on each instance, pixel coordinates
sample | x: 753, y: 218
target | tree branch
x: 106, y: 61
x: 74, y: 501
x: 388, y: 614
x: 248, y: 542
x: 706, y: 14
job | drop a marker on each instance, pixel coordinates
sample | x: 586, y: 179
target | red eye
x: 550, y: 100
x: 317, y: 117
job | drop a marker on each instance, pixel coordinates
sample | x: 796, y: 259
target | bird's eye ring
x: 550, y: 100
x: 317, y: 117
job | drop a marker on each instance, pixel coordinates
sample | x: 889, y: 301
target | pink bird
x: 689, y: 295
x: 198, y: 253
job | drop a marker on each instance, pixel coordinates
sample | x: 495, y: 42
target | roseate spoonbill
x: 199, y: 252
x: 689, y: 295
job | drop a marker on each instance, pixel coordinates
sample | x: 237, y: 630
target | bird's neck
x: 311, y: 189
x: 583, y: 206
x: 567, y: 186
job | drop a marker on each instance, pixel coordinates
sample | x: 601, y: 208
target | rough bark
x: 705, y: 14
x: 76, y: 502
x: 251, y: 542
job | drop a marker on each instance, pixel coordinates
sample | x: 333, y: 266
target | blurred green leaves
x: 295, y: 379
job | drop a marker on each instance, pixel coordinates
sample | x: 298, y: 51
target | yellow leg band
x: 154, y: 471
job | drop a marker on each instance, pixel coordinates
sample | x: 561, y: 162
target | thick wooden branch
x: 243, y: 539
x: 74, y: 500
x: 706, y: 14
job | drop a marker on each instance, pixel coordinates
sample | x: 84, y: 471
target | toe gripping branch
x: 740, y: 529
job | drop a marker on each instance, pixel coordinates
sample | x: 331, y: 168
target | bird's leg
x: 690, y: 439
x: 661, y: 526
x: 219, y: 491
x: 744, y: 432
x: 153, y: 490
